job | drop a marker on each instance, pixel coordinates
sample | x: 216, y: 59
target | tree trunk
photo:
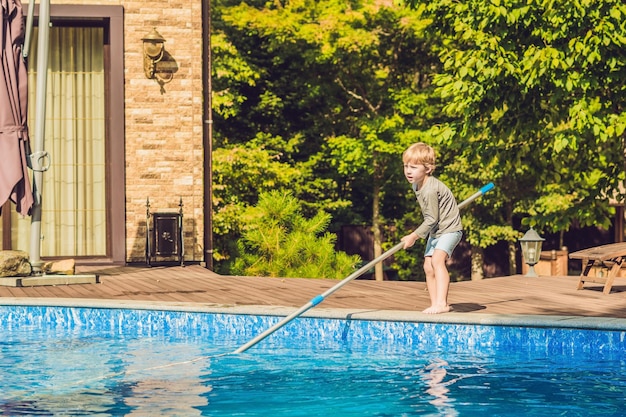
x: 477, y: 263
x: 511, y: 245
x: 512, y: 260
x: 376, y: 229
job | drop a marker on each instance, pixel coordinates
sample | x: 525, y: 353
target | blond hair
x: 420, y: 154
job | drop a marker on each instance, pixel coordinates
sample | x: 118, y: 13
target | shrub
x: 278, y: 241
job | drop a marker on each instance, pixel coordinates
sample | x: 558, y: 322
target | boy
x: 441, y: 225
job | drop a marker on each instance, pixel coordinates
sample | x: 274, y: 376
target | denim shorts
x: 446, y: 242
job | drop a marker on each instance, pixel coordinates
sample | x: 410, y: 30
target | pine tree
x: 279, y: 241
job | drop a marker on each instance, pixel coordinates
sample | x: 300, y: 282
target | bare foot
x: 437, y: 309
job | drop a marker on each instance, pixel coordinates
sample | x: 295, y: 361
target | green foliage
x: 535, y: 98
x: 242, y: 172
x: 341, y: 83
x: 232, y: 70
x: 321, y: 97
x: 279, y: 241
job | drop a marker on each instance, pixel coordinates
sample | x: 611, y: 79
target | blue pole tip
x: 315, y: 301
x: 487, y: 187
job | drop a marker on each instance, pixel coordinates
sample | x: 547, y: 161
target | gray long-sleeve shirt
x: 439, y: 209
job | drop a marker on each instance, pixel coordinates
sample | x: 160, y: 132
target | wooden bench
x: 611, y: 256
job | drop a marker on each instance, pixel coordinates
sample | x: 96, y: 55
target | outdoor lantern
x: 531, y: 250
x: 153, y: 51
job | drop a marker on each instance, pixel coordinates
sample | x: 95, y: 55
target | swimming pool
x: 76, y: 361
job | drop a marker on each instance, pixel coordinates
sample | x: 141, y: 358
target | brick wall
x: 163, y: 142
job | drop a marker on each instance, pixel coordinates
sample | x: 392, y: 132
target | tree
x: 352, y: 79
x: 279, y: 241
x: 535, y: 95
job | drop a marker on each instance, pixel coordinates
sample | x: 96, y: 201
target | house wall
x: 163, y: 139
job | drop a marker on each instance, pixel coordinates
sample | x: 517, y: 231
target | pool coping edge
x: 545, y: 321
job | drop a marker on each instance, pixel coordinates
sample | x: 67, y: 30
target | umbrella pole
x: 38, y: 153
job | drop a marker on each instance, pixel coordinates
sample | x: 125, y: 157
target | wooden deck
x: 196, y: 285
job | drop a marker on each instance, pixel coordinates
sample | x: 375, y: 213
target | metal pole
x: 39, y: 155
x: 207, y: 135
x: 318, y: 299
x: 29, y: 28
x: 484, y: 189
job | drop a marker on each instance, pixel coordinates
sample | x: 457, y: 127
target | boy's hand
x: 409, y: 240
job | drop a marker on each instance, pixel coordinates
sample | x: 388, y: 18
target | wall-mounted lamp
x: 153, y: 53
x: 531, y: 250
x: 153, y: 50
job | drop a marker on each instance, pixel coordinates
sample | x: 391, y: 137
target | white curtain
x: 74, y: 188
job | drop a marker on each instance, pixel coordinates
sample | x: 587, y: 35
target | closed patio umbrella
x: 14, y: 140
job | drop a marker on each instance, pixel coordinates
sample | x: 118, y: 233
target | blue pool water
x: 65, y: 361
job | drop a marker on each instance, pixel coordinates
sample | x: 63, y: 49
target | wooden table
x: 611, y: 256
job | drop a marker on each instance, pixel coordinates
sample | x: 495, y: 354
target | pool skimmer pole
x: 318, y: 299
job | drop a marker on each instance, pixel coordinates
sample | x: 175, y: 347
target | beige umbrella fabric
x: 14, y: 180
